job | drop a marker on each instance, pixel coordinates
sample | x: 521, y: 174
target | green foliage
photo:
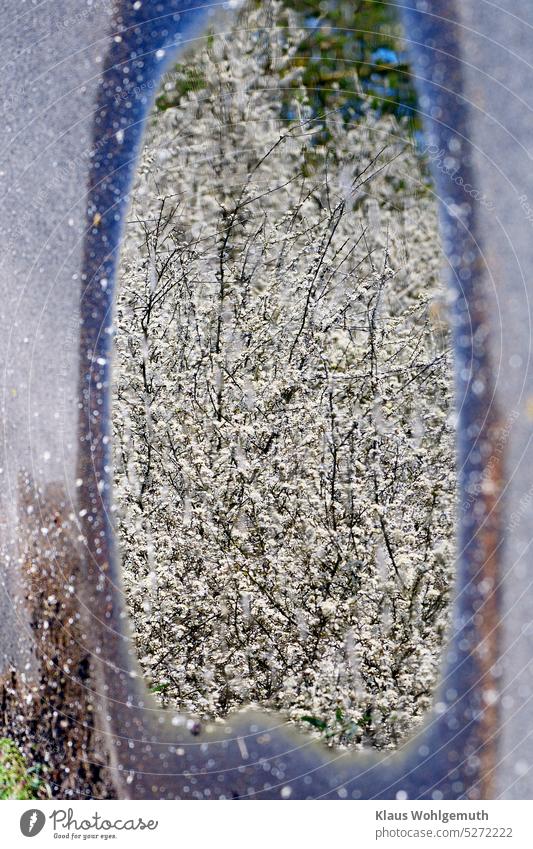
x: 17, y: 781
x: 353, y: 52
x: 342, y: 728
x: 321, y: 724
x: 159, y: 688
